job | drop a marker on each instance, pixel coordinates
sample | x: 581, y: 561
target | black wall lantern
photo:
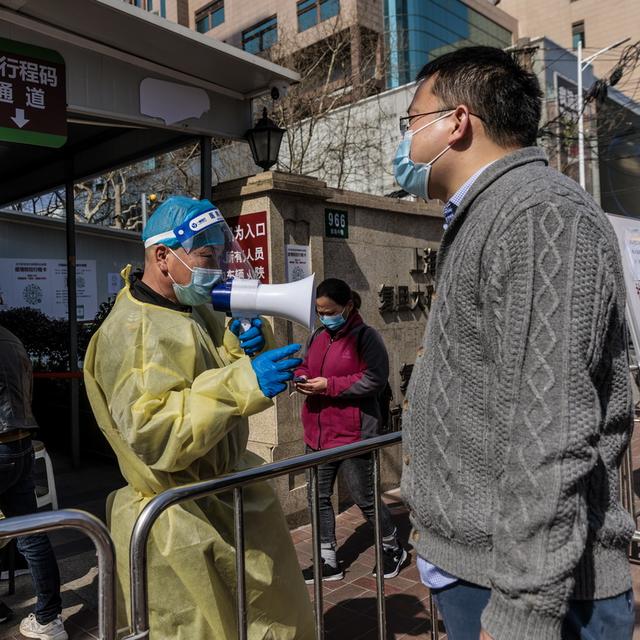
x: 265, y: 139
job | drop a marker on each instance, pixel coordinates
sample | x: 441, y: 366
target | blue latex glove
x: 274, y: 369
x: 251, y: 341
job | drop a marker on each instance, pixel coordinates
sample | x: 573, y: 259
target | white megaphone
x: 244, y: 298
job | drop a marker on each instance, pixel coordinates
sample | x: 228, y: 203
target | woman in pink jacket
x: 345, y: 368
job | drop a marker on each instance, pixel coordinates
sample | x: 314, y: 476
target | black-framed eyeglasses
x: 405, y: 121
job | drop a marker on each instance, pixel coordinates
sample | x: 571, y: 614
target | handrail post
x: 138, y: 584
x: 238, y: 517
x: 380, y: 601
x: 317, y: 555
x: 433, y: 615
x: 95, y: 529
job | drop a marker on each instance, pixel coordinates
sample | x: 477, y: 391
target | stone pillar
x: 383, y: 237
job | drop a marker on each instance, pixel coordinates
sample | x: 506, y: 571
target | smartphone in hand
x: 300, y: 379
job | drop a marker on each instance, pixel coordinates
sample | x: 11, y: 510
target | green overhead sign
x: 33, y: 97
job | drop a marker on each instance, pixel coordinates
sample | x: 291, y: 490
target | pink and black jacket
x: 355, y: 363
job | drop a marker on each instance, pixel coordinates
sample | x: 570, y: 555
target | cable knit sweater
x: 519, y: 410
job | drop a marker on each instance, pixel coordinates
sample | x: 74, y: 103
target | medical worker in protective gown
x: 171, y: 387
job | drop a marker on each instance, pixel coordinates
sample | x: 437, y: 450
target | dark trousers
x: 17, y: 498
x: 358, y: 475
x: 461, y: 604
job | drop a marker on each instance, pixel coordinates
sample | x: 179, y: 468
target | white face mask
x: 412, y: 176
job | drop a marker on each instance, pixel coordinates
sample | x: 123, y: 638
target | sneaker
x: 53, y: 630
x: 5, y: 612
x: 392, y: 561
x: 329, y: 573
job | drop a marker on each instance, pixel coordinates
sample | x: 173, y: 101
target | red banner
x: 251, y: 232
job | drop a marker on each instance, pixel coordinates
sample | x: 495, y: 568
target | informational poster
x: 628, y: 232
x: 251, y: 232
x: 42, y: 285
x: 632, y: 246
x: 298, y: 265
x: 114, y: 283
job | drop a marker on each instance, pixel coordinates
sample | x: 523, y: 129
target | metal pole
x: 241, y: 595
x: 632, y: 506
x: 433, y: 614
x: 143, y: 208
x: 206, y: 184
x: 380, y: 601
x: 138, y: 575
x: 94, y: 528
x: 317, y: 556
x: 72, y: 313
x: 582, y: 65
x: 594, y: 154
x: 580, y: 119
x: 627, y: 482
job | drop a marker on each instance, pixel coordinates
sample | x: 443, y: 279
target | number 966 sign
x: 336, y: 223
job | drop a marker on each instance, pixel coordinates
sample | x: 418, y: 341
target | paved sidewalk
x: 350, y: 604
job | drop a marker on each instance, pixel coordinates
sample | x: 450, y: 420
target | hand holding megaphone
x: 249, y: 333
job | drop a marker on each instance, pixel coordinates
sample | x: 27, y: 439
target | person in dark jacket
x: 345, y: 369
x: 17, y: 489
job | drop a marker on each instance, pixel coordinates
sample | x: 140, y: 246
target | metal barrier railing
x: 236, y: 482
x: 627, y: 496
x: 95, y: 529
x: 45, y: 521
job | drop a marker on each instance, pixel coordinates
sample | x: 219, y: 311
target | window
x: 261, y: 36
x: 311, y: 12
x: 210, y: 16
x: 148, y: 5
x: 419, y: 31
x: 577, y: 33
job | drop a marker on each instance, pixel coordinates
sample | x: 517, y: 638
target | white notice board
x: 42, y: 284
x: 628, y: 232
x: 298, y: 265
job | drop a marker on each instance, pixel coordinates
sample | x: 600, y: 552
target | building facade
x: 351, y: 145
x: 395, y: 37
x: 417, y: 31
x: 597, y: 24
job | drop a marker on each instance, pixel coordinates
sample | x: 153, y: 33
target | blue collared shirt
x: 452, y: 205
x: 430, y: 575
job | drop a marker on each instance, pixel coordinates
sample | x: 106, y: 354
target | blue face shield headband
x: 203, y: 230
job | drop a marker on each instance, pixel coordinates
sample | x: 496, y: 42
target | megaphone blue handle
x: 221, y: 296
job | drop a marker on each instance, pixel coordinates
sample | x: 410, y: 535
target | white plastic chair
x: 45, y: 495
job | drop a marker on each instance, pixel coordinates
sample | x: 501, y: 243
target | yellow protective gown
x: 171, y: 392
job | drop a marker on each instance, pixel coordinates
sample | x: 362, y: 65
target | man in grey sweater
x: 519, y: 407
